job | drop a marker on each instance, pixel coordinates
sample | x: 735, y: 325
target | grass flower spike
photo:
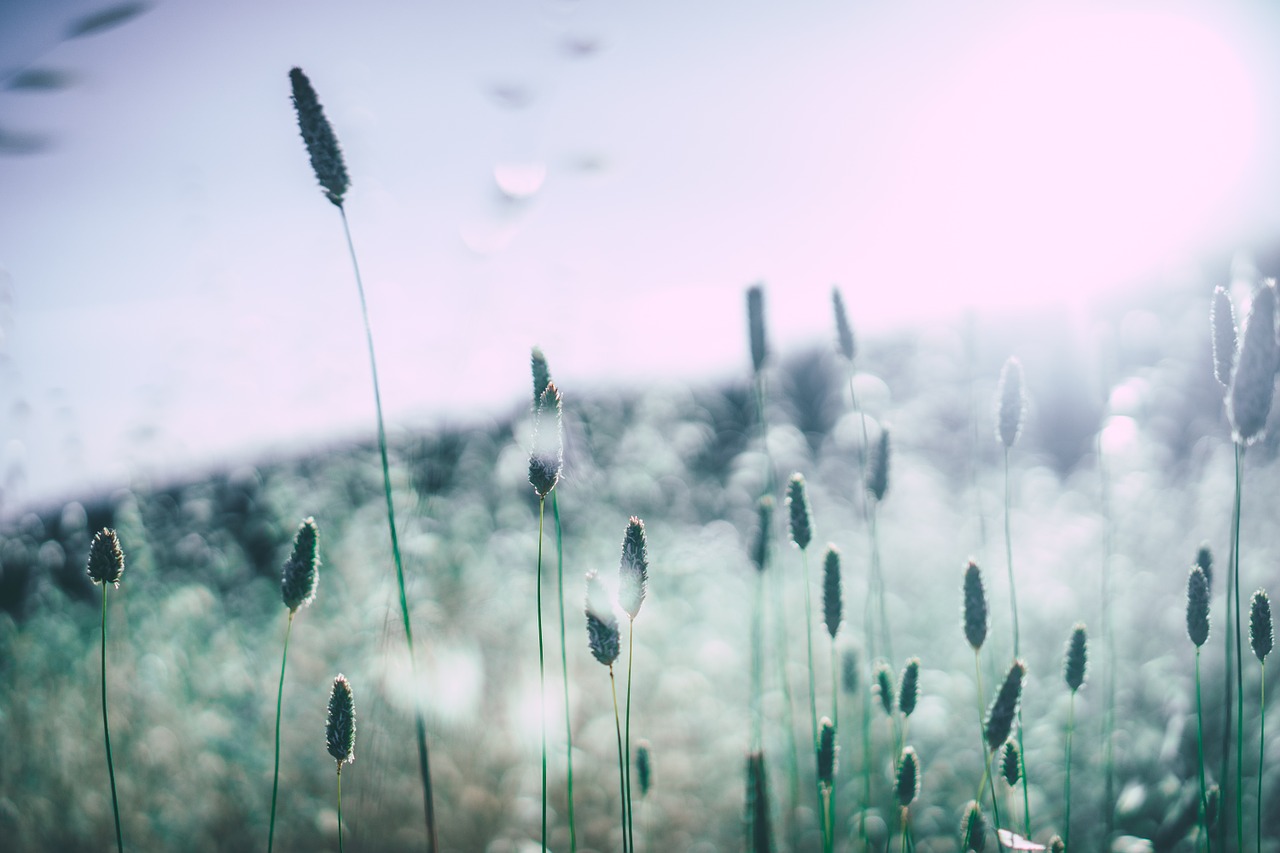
x: 633, y: 581
x: 322, y: 145
x: 340, y: 734
x: 878, y: 466
x: 541, y: 375
x: 1011, y: 403
x: 798, y: 507
x: 909, y: 687
x: 884, y: 687
x: 832, y: 605
x: 1253, y: 380
x: 755, y: 327
x: 604, y: 639
x: 844, y: 332
x: 907, y: 787
x: 976, y: 615
x: 1204, y: 559
x: 973, y: 829
x: 1011, y: 763
x: 1222, y: 323
x: 1260, y: 636
x: 106, y: 566
x: 1004, y: 707
x: 1198, y: 631
x: 546, y: 459
x: 1073, y: 670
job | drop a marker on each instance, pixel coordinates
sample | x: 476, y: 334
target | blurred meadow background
x: 181, y: 359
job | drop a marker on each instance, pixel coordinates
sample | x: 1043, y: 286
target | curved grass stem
x: 564, y: 665
x: 631, y: 647
x: 339, y: 808
x: 1204, y: 826
x: 106, y: 729
x: 542, y: 675
x: 1262, y: 747
x: 1071, y: 725
x: 622, y: 780
x: 275, y: 784
x: 1235, y: 571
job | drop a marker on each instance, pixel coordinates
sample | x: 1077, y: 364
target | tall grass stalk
x: 330, y: 168
x: 340, y: 734
x: 1235, y: 571
x: 1073, y: 672
x: 605, y: 641
x: 801, y: 535
x: 106, y: 565
x: 542, y: 674
x: 1261, y: 639
x: 633, y: 580
x: 1109, y: 647
x: 1198, y: 633
x: 832, y: 613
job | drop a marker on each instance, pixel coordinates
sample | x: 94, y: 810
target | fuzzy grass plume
x: 340, y: 733
x: 106, y: 566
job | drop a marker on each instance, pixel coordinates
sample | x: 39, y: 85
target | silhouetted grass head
x: 299, y: 575
x: 1222, y: 323
x: 633, y: 570
x: 1004, y: 707
x: 909, y: 687
x: 755, y: 326
x: 1260, y: 636
x: 322, y: 145
x: 849, y: 671
x: 798, y: 507
x: 973, y: 826
x: 759, y: 831
x: 547, y: 457
x: 1010, y: 763
x: 1253, y: 380
x: 827, y: 752
x: 603, y: 636
x: 976, y: 615
x: 884, y: 686
x: 1197, y: 606
x: 340, y: 730
x: 878, y: 466
x: 106, y: 560
x: 1204, y: 559
x: 844, y: 332
x: 832, y: 602
x: 907, y: 785
x: 644, y: 766
x: 1076, y: 658
x: 1011, y: 403
x: 764, y: 521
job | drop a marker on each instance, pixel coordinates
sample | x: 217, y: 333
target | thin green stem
x: 106, y: 729
x: 275, y: 783
x: 1017, y: 651
x: 757, y: 665
x: 542, y: 675
x: 1235, y: 569
x: 1071, y: 725
x: 835, y: 722
x: 813, y: 701
x: 622, y: 782
x: 1204, y: 826
x: 828, y: 821
x: 420, y: 726
x: 1109, y: 648
x: 564, y: 665
x: 866, y: 768
x: 339, y: 807
x: 878, y: 574
x: 995, y: 802
x: 1262, y: 746
x: 631, y: 647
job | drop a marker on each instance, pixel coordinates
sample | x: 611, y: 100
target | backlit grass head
x: 633, y: 570
x: 878, y: 466
x: 547, y: 457
x: 798, y: 507
x: 755, y: 326
x: 299, y: 575
x: 603, y: 636
x: 884, y: 686
x: 322, y: 145
x: 1011, y: 763
x: 1197, y: 606
x: 827, y: 752
x: 844, y: 332
x: 764, y: 521
x: 1222, y: 323
x: 340, y: 730
x: 1004, y: 707
x: 976, y: 616
x: 1057, y: 845
x: 1011, y: 403
x: 907, y: 784
x: 1204, y: 559
x: 1253, y: 380
x: 832, y: 602
x: 541, y: 375
x: 909, y: 687
x: 973, y: 826
x: 106, y: 560
x: 1260, y: 636
x: 1076, y: 658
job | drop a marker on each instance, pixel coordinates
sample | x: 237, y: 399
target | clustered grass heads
x: 298, y: 579
x: 605, y: 641
x: 827, y: 750
x: 106, y: 566
x: 1198, y: 632
x: 1261, y: 639
x: 331, y: 171
x: 340, y: 733
x: 633, y: 582
x: 1075, y: 661
x: 1248, y: 404
x: 907, y: 789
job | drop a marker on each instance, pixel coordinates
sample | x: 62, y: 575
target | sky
x: 602, y: 180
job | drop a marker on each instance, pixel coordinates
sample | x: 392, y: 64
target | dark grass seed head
x: 907, y: 786
x: 976, y: 616
x: 633, y: 569
x: 827, y: 750
x: 300, y: 573
x: 1011, y: 403
x: 1057, y: 845
x: 798, y: 508
x: 832, y: 601
x: 547, y: 457
x: 106, y: 560
x: 1197, y: 606
x: 1260, y: 636
x: 878, y: 466
x: 603, y: 635
x: 1222, y: 323
x: 764, y: 521
x: 1076, y: 658
x: 1011, y: 763
x: 644, y: 766
x: 322, y: 144
x: 1204, y: 559
x: 909, y: 687
x: 541, y: 375
x: 759, y: 830
x: 849, y: 671
x: 884, y: 686
x: 1004, y: 707
x: 845, y: 344
x: 973, y: 826
x: 1253, y: 380
x: 755, y: 327
x: 340, y: 729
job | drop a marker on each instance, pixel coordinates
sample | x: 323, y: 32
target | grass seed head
x: 884, y: 687
x: 1011, y: 763
x: 1057, y: 845
x: 106, y: 560
x: 976, y: 616
x: 1260, y: 636
x: 1011, y: 403
x: 760, y: 548
x: 827, y: 750
x: 849, y: 671
x: 1004, y: 707
x: 1204, y: 559
x: 1076, y: 658
x: 832, y: 601
x: 322, y: 145
x: 844, y: 332
x: 907, y: 786
x: 909, y: 687
x: 759, y: 831
x: 1197, y: 606
x: 633, y: 570
x: 798, y: 506
x: 603, y: 636
x: 1222, y: 323
x: 299, y: 575
x: 878, y: 466
x: 644, y: 766
x: 1212, y: 806
x: 973, y: 826
x: 541, y: 375
x: 547, y: 457
x: 1253, y: 380
x: 340, y: 730
x: 755, y: 325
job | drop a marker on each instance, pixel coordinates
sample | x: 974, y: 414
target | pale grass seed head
x: 633, y: 569
x: 340, y: 729
x: 849, y: 678
x: 844, y: 332
x: 322, y: 144
x: 755, y: 327
x: 798, y: 506
x: 878, y: 466
x: 106, y: 560
x: 603, y: 635
x: 300, y: 572
x: 541, y: 375
x: 827, y: 750
x: 1011, y: 403
x: 1222, y: 324
x: 1260, y: 635
x: 546, y: 459
x: 1204, y: 559
x: 1253, y: 380
x: 1197, y: 606
x: 907, y: 786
